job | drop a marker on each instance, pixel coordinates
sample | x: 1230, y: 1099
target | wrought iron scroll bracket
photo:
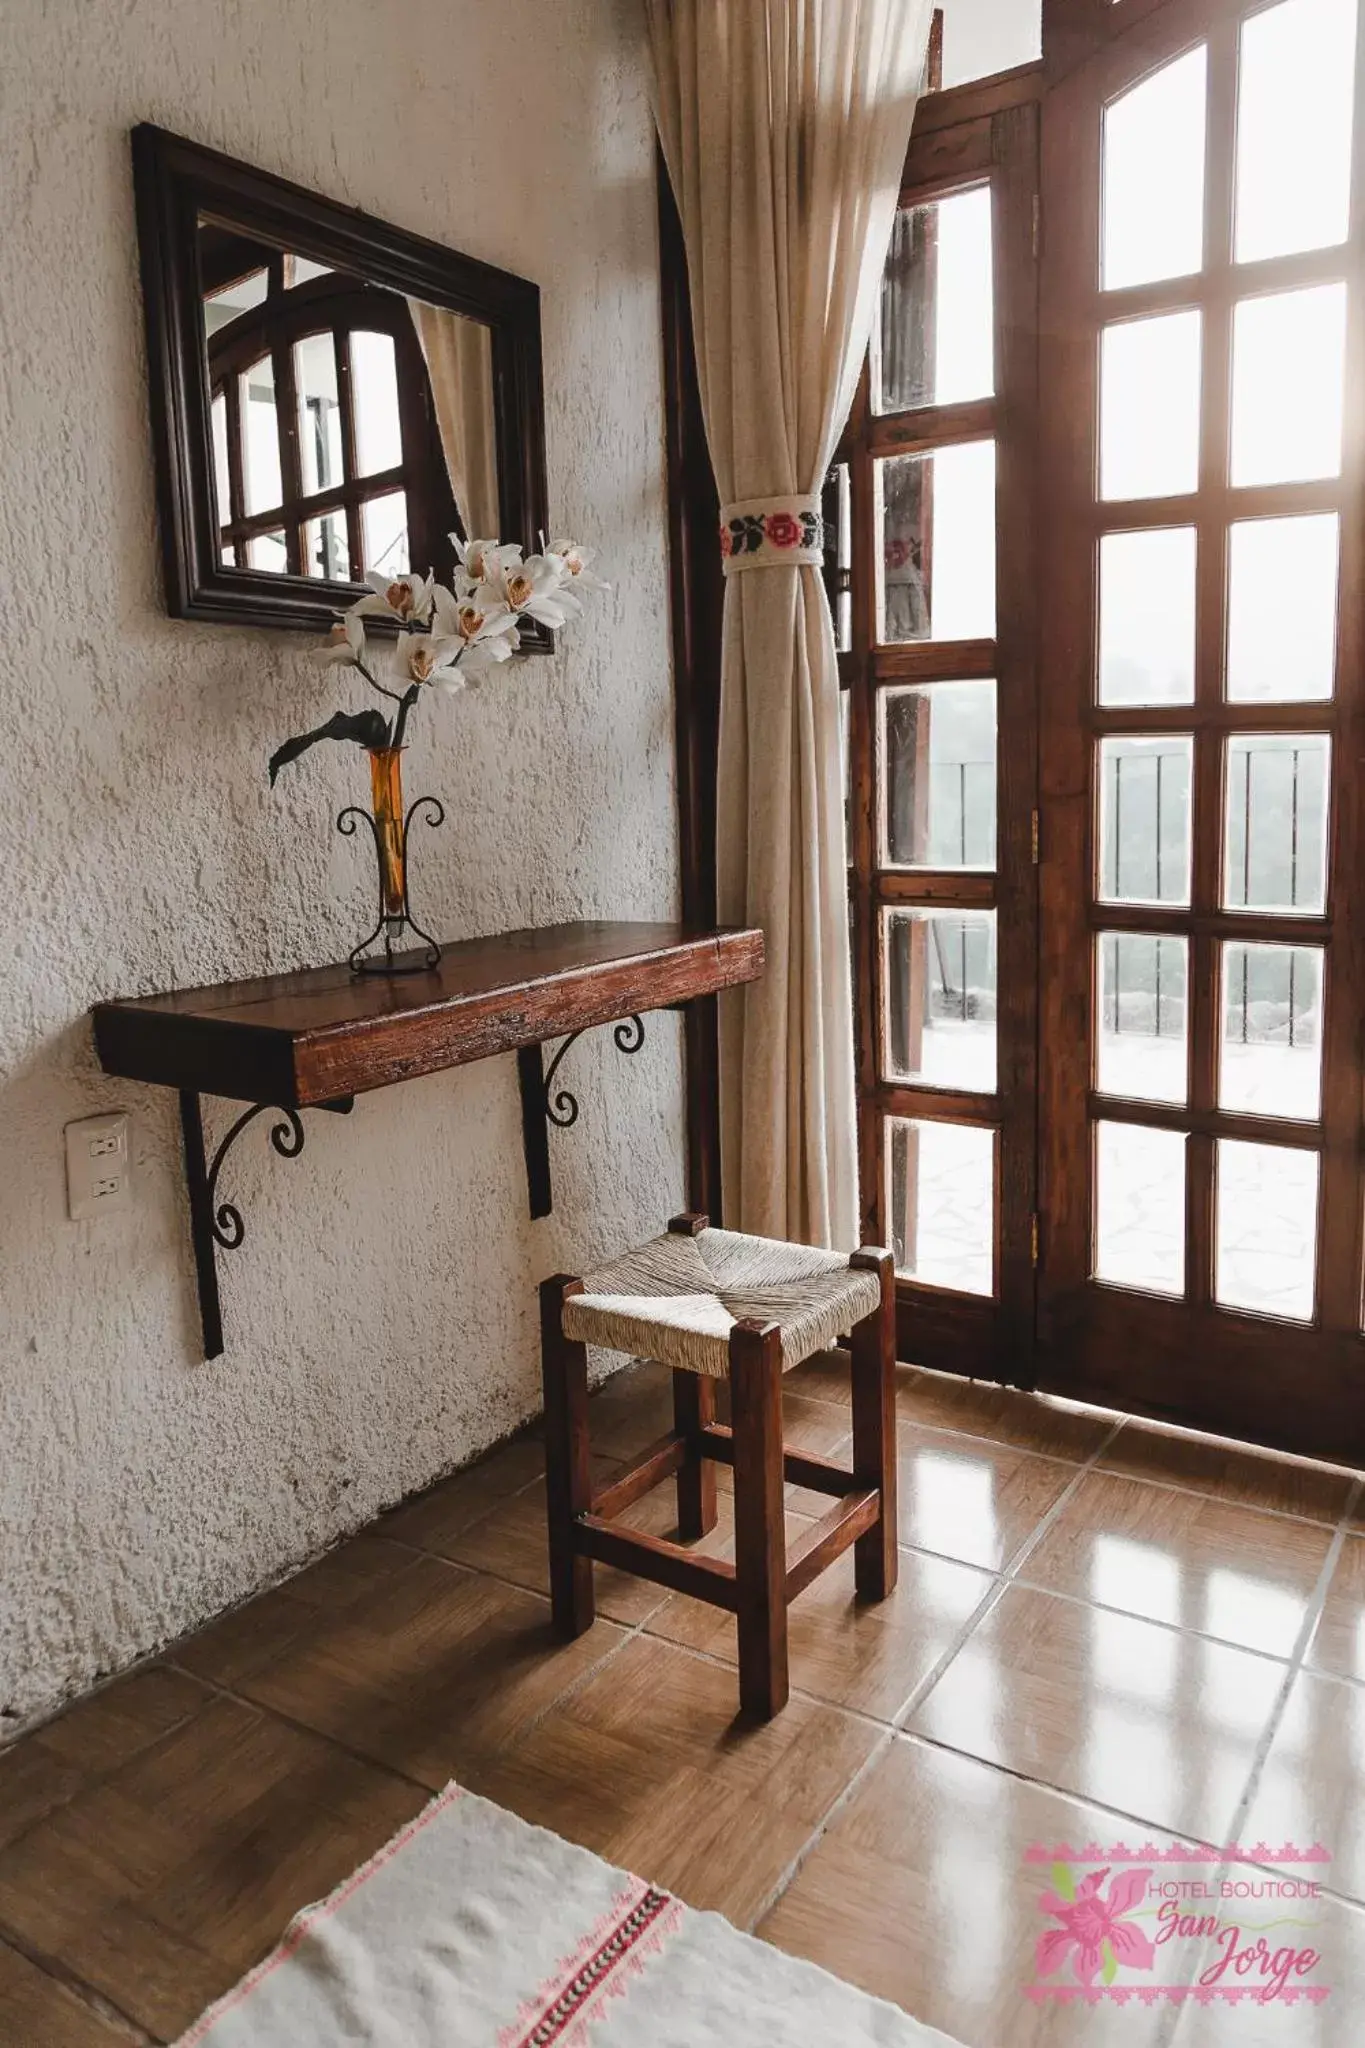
x: 216, y: 1225
x: 542, y: 1104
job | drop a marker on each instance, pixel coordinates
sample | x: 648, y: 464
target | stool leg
x: 875, y: 1555
x: 568, y: 1482
x: 694, y: 1406
x: 760, y: 1532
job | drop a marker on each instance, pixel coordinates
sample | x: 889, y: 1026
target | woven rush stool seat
x: 717, y: 1304
x: 678, y: 1298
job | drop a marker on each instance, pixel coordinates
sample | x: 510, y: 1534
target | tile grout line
x: 1121, y: 1422
x: 222, y: 1690
x: 1307, y: 1630
x: 625, y: 1632
x: 1008, y: 1574
x: 989, y: 1600
x: 85, y: 1995
x: 1174, y: 1628
x: 627, y: 1636
x: 1223, y: 1500
x: 98, y: 1781
x: 1086, y: 1799
x: 1261, y: 1755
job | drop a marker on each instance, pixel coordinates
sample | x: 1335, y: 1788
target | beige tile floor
x: 1101, y: 1629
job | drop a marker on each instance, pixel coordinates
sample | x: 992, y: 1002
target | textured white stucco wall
x: 380, y: 1317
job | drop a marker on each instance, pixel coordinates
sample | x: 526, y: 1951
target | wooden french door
x: 1098, y: 577
x: 933, y: 598
x: 1202, y: 735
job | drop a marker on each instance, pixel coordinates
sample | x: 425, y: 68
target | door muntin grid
x: 1258, y: 455
x: 932, y: 695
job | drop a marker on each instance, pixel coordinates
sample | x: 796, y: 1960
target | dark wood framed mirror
x: 330, y: 396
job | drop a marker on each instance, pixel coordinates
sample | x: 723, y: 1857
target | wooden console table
x: 317, y: 1039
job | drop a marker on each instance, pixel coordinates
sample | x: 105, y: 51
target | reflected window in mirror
x: 353, y: 427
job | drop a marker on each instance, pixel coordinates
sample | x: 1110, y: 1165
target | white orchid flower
x: 481, y: 655
x: 481, y: 559
x: 346, y: 644
x: 406, y: 598
x: 422, y: 658
x: 477, y: 624
x: 574, y: 559
x: 537, y: 588
x: 478, y: 616
x: 468, y: 635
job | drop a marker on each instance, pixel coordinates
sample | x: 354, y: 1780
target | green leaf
x: 1063, y: 1883
x: 1111, y: 1963
x: 366, y: 728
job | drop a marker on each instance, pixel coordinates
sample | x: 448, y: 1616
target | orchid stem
x: 401, y: 722
x: 375, y: 684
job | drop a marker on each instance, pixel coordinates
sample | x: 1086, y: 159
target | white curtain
x: 785, y: 125
x: 459, y: 359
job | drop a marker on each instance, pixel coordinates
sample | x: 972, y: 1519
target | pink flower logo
x: 783, y: 530
x: 1095, y: 1927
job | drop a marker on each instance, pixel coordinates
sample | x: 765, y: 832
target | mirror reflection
x: 353, y: 427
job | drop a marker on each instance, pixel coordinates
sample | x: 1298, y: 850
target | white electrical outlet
x: 97, y: 1182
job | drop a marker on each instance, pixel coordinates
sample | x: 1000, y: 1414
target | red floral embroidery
x: 748, y: 533
x: 783, y: 530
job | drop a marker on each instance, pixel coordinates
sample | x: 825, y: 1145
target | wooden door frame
x: 697, y: 596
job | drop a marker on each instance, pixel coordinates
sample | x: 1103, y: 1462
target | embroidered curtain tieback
x: 771, y: 533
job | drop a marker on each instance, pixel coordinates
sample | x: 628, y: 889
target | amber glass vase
x: 397, y: 945
x: 386, y: 801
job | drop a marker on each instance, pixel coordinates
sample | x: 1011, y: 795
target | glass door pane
x: 1288, y: 385
x: 939, y: 1017
x: 936, y: 523
x: 938, y: 779
x: 1140, y: 1207
x: 1147, y: 616
x: 1276, y: 797
x: 935, y: 342
x: 1266, y: 1229
x: 1154, y: 175
x: 941, y: 1203
x: 1142, y: 1045
x: 1149, y: 406
x: 1270, y: 1052
x: 1145, y: 819
x: 1295, y: 97
x: 1282, y: 609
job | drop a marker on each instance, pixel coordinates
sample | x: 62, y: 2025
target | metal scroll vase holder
x: 397, y: 944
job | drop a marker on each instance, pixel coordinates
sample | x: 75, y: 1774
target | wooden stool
x: 711, y: 1304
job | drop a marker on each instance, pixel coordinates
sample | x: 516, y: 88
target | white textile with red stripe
x: 472, y: 1929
